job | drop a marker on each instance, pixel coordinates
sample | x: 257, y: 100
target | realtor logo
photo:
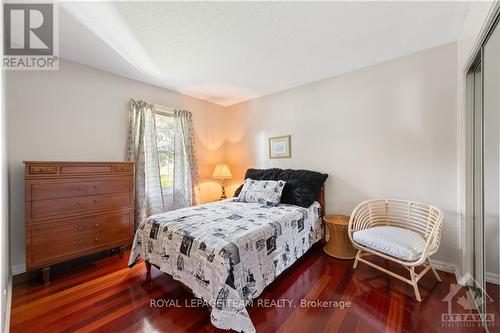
x: 30, y: 36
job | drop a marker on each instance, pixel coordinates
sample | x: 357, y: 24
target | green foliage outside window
x: 165, y: 134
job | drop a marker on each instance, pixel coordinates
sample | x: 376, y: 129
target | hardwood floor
x: 493, y: 302
x: 106, y: 296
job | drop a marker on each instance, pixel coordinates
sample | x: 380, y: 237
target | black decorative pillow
x: 266, y: 192
x: 302, y: 186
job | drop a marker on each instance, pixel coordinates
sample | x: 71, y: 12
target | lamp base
x: 223, y: 194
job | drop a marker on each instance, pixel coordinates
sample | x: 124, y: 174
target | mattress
x: 227, y: 252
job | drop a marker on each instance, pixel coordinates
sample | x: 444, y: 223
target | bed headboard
x: 321, y: 200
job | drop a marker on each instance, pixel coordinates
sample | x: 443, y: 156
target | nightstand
x: 339, y: 245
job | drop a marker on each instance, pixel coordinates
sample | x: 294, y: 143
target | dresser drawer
x: 69, y: 169
x: 43, y: 170
x: 64, y: 247
x: 53, y: 208
x: 55, y: 189
x: 115, y: 223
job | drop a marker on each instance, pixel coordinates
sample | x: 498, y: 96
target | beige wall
x: 80, y: 113
x: 5, y: 282
x: 384, y: 131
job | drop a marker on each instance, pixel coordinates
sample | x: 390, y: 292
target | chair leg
x: 434, y: 271
x: 356, y: 259
x: 414, y: 283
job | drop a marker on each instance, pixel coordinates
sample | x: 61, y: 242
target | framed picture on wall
x: 280, y: 147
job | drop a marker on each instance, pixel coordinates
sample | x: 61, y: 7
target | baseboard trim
x: 18, y: 269
x: 492, y: 278
x: 446, y: 267
x: 8, y: 304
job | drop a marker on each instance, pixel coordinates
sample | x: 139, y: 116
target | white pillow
x: 266, y: 192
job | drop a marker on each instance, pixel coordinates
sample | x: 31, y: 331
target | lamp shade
x: 222, y: 171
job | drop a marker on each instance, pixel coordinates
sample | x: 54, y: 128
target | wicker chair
x: 405, y: 232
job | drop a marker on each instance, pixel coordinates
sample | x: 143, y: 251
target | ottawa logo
x: 474, y: 299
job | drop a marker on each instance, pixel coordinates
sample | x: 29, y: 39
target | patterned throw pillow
x: 266, y: 192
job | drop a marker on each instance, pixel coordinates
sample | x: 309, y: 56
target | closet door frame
x: 490, y: 50
x: 475, y: 176
x: 465, y: 137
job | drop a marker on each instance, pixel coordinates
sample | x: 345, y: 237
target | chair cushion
x: 397, y: 242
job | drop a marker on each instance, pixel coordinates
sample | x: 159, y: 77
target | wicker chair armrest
x: 354, y: 223
x: 434, y: 237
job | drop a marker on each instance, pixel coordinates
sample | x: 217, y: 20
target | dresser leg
x: 120, y: 252
x: 148, y: 267
x: 46, y: 275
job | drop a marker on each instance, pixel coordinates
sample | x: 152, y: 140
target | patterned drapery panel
x: 185, y: 164
x: 142, y: 150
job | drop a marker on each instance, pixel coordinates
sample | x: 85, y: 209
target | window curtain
x: 185, y: 164
x: 142, y: 150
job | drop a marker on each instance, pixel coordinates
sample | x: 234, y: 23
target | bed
x: 227, y: 252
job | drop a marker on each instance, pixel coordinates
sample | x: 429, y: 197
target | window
x: 165, y: 133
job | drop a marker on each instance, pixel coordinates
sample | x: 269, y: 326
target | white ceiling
x: 229, y: 52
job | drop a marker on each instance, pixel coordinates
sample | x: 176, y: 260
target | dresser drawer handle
x: 96, y: 201
x: 79, y: 243
x: 43, y: 170
x: 79, y: 203
x: 96, y: 187
x: 79, y: 188
x: 97, y: 225
x: 122, y: 168
x: 96, y: 239
x: 80, y: 228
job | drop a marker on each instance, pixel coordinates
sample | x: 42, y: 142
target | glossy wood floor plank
x: 104, y: 295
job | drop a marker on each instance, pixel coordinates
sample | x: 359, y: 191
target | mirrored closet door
x: 491, y: 168
x: 483, y: 101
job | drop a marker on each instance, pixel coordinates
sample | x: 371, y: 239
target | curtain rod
x: 160, y: 108
x: 164, y: 109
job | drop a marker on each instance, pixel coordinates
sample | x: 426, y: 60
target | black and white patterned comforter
x: 228, y: 252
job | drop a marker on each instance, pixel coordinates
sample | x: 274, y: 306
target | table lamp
x: 222, y: 172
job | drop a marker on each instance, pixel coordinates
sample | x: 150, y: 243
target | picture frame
x: 280, y: 147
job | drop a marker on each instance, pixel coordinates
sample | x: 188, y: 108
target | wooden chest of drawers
x: 75, y: 209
